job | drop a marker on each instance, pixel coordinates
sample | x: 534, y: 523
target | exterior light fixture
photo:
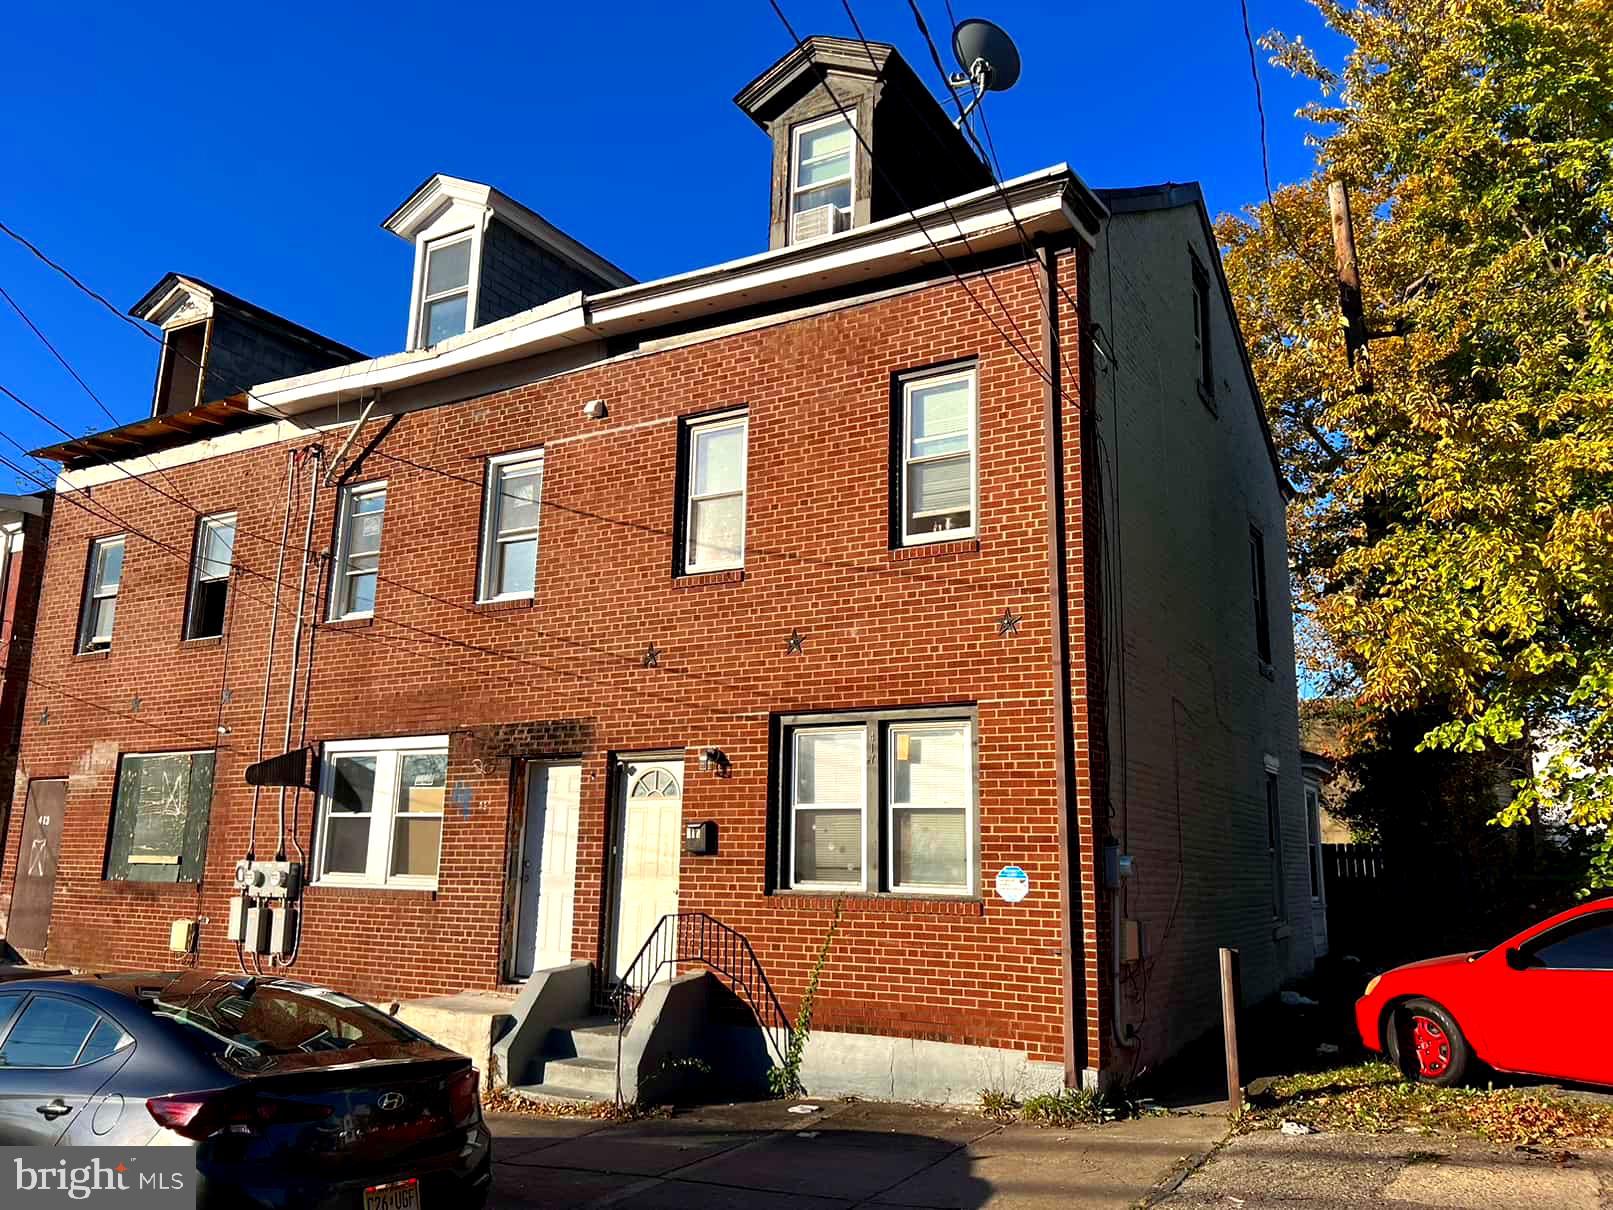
x: 714, y: 760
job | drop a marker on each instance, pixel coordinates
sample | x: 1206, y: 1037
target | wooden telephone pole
x: 1356, y: 330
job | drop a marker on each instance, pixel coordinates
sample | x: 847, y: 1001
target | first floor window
x: 101, y: 583
x: 358, y: 552
x: 937, y: 487
x: 210, y: 567
x: 879, y: 802
x: 159, y: 821
x: 514, y: 497
x: 381, y: 811
x: 714, y: 493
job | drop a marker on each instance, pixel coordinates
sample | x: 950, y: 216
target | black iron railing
x: 694, y: 938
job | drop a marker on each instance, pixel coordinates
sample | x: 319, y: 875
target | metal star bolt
x: 1008, y: 624
x: 227, y: 696
x: 652, y: 656
x: 44, y: 716
x: 134, y: 704
x: 795, y: 644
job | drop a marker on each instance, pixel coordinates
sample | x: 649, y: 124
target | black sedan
x: 291, y: 1095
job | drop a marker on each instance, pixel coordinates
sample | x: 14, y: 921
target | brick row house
x: 927, y: 567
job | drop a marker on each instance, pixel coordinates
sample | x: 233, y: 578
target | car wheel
x: 1427, y: 1045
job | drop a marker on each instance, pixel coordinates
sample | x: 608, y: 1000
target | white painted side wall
x: 1188, y: 767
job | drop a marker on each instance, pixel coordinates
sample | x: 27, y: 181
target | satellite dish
x: 988, y: 56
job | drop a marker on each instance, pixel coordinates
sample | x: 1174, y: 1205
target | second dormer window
x: 821, y: 178
x: 445, y: 299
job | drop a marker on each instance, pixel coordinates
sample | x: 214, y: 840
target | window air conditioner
x: 818, y: 222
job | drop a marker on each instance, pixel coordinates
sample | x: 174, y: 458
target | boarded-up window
x: 159, y: 822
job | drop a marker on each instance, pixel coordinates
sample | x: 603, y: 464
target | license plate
x: 399, y: 1195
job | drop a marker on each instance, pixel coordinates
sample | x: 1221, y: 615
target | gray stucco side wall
x: 1186, y: 482
x: 517, y: 275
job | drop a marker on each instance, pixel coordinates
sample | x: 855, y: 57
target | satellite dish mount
x: 989, y: 59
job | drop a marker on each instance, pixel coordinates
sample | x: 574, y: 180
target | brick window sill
x: 105, y: 654
x: 710, y: 579
x: 202, y: 644
x: 932, y: 550
x: 880, y: 905
x: 515, y: 606
x: 347, y: 623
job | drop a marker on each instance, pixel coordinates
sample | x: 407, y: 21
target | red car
x: 1538, y: 1004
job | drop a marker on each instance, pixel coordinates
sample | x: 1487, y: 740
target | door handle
x: 53, y: 1110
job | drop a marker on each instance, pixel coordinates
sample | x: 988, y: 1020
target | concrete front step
x: 596, y: 1076
x: 555, y: 1094
x: 595, y: 1038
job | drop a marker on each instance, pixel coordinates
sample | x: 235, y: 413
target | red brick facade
x: 22, y: 559
x: 566, y: 677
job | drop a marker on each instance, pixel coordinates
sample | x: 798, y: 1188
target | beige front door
x: 649, y: 841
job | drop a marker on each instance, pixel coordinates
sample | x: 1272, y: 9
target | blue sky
x: 259, y: 147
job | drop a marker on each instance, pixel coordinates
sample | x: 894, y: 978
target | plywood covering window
x: 180, y: 381
x: 159, y: 821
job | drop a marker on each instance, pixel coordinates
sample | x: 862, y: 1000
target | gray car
x: 292, y: 1095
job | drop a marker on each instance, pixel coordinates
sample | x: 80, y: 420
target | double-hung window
x: 210, y: 567
x: 100, y: 607
x: 1274, y: 841
x: 159, y: 820
x: 714, y: 493
x: 1201, y: 331
x: 358, y: 551
x: 381, y: 812
x: 1257, y: 588
x: 822, y: 159
x: 937, y: 432
x: 445, y: 291
x: 879, y: 802
x: 512, y: 501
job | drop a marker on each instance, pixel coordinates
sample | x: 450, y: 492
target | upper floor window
x: 101, y: 582
x: 210, y: 567
x: 381, y: 811
x: 822, y: 159
x: 445, y: 290
x: 1201, y: 330
x: 1274, y: 841
x: 160, y: 817
x: 879, y: 802
x: 358, y: 551
x: 714, y: 493
x: 1257, y: 574
x: 512, y: 500
x: 938, y: 456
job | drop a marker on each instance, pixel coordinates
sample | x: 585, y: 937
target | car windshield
x: 252, y: 1023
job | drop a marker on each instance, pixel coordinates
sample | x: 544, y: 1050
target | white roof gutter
x: 1048, y: 202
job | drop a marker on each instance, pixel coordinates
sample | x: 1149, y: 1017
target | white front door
x: 548, y: 872
x: 649, y: 843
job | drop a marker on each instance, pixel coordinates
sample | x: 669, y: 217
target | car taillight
x: 464, y: 1100
x: 200, y: 1115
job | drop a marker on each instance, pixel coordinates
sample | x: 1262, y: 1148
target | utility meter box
x: 700, y: 838
x: 182, y: 936
x: 256, y: 940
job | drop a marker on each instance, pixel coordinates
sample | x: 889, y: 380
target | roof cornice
x: 818, y: 53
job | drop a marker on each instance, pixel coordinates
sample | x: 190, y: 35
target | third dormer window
x: 821, y: 178
x: 445, y: 299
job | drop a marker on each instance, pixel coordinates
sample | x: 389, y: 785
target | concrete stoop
x: 471, y: 1023
x: 578, y: 1063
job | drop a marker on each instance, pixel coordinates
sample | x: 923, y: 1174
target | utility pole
x: 1355, y: 323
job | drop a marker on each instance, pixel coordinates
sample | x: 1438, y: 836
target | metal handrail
x: 726, y: 952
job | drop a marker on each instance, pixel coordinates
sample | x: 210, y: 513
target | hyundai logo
x: 391, y: 1101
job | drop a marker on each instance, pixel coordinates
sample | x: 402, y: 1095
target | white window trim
x: 861, y: 731
x: 338, y: 578
x: 93, y: 592
x: 833, y: 119
x: 196, y: 559
x: 969, y: 374
x: 1313, y: 837
x: 739, y: 419
x: 889, y: 772
x: 486, y: 576
x: 423, y: 250
x: 383, y: 811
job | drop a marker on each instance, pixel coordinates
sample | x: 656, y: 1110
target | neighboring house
x: 821, y: 576
x: 24, y: 524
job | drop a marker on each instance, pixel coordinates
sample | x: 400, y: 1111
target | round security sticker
x: 1013, y: 884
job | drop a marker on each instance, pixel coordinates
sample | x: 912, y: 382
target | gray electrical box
x: 237, y: 922
x: 269, y: 879
x: 256, y: 940
x: 282, y: 930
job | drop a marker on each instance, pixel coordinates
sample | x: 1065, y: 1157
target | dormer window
x: 821, y: 174
x: 445, y: 302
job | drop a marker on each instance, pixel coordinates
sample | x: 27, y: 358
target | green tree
x: 1454, y: 542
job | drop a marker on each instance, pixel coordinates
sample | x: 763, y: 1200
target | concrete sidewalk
x: 1266, y: 1170
x: 850, y: 1154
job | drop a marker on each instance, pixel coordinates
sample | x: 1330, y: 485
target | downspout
x: 316, y: 453
x: 268, y: 669
x: 1063, y: 715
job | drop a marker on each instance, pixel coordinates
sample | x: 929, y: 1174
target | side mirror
x: 1515, y: 959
